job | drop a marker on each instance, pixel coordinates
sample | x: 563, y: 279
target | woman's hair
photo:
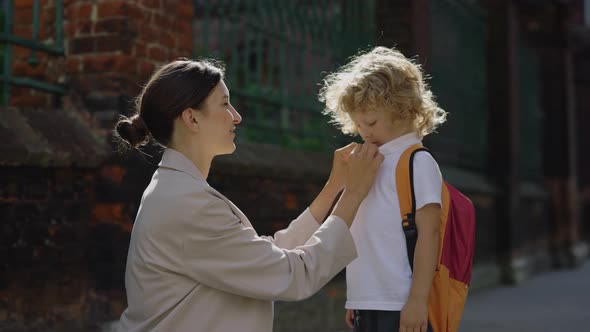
x: 174, y: 87
x: 381, y: 80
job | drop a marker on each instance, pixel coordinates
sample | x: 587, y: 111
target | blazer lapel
x: 234, y: 208
x: 178, y: 161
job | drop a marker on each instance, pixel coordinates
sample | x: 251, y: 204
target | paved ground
x: 551, y: 302
x: 554, y: 301
x: 557, y: 301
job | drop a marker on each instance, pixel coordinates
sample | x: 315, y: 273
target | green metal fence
x: 8, y: 39
x: 458, y: 70
x: 531, y: 115
x: 276, y: 53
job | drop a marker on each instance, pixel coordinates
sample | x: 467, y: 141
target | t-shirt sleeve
x: 427, y: 180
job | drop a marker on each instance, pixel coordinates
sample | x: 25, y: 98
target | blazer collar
x: 176, y: 160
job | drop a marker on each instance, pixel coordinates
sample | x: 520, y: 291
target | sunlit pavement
x: 556, y: 301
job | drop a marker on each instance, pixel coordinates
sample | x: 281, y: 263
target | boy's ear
x: 190, y: 119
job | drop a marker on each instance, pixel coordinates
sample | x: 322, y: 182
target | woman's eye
x: 372, y: 124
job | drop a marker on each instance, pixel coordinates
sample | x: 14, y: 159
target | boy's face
x: 379, y: 127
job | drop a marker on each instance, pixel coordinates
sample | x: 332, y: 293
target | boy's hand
x: 339, y: 165
x: 414, y: 317
x: 349, y: 318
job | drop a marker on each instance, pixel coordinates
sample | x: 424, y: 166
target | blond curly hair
x: 382, y: 79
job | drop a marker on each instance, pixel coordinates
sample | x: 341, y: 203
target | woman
x: 195, y: 263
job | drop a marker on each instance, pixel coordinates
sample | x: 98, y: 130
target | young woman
x: 195, y: 263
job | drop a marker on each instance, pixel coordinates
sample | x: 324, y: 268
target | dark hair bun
x: 133, y: 131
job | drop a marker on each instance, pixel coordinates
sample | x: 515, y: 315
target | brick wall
x: 110, y: 45
x: 55, y: 252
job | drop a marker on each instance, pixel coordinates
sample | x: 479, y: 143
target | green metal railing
x: 8, y: 39
x: 276, y: 53
x: 531, y: 115
x: 458, y: 70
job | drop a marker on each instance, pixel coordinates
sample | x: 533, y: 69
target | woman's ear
x: 190, y: 119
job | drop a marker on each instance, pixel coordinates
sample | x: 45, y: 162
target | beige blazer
x: 196, y: 264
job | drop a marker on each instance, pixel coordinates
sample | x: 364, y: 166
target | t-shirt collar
x: 399, y: 143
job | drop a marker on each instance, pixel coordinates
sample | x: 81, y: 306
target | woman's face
x: 218, y: 121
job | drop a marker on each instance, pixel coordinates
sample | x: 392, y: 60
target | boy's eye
x: 372, y: 123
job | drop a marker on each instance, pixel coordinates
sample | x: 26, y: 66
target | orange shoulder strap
x: 403, y: 181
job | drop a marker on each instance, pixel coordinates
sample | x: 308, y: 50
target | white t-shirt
x: 380, y: 277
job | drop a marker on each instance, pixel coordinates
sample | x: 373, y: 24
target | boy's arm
x: 415, y: 312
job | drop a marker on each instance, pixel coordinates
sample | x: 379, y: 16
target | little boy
x: 382, y: 96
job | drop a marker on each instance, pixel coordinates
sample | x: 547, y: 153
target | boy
x: 382, y: 96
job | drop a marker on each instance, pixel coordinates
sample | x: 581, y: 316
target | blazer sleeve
x: 298, y: 232
x: 222, y: 253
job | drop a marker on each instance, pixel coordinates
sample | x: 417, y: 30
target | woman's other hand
x: 340, y: 166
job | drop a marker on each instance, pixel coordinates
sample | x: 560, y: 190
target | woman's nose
x: 236, y: 117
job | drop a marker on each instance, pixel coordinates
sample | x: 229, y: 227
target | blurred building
x: 514, y: 75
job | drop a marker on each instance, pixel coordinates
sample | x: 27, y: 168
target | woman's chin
x: 229, y: 150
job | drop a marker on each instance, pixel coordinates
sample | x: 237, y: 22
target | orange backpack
x: 455, y: 256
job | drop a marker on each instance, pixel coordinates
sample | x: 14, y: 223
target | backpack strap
x: 404, y: 178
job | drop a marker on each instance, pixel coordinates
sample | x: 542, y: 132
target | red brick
x: 162, y: 22
x: 47, y: 17
x: 184, y: 27
x: 82, y: 45
x: 184, y: 43
x: 184, y: 11
x: 140, y: 50
x: 19, y: 52
x: 109, y: 63
x: 113, y: 9
x: 167, y: 39
x: 23, y: 4
x: 113, y: 43
x: 120, y: 26
x: 24, y: 31
x: 84, y: 11
x: 157, y: 53
x: 69, y: 29
x: 290, y: 201
x: 22, y: 68
x: 32, y: 101
x: 115, y: 173
x: 153, y: 4
x: 72, y: 65
x: 137, y: 14
x: 23, y: 16
x: 148, y: 34
x: 84, y: 28
x: 107, y: 212
x: 145, y: 69
x: 184, y: 39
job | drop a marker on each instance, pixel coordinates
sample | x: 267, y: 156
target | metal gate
x: 8, y: 39
x: 276, y: 54
x: 459, y: 80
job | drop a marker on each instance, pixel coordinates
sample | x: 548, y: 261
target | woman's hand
x: 414, y: 317
x: 340, y: 166
x: 363, y: 164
